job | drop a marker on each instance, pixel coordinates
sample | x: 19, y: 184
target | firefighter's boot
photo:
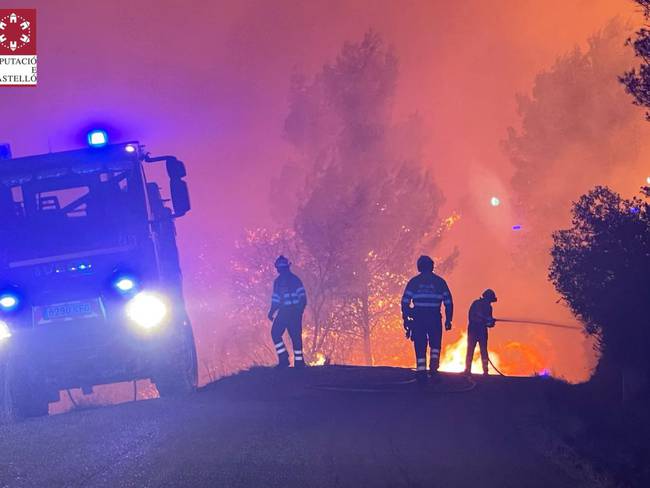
x: 298, y: 359
x: 421, y: 370
x: 283, y: 361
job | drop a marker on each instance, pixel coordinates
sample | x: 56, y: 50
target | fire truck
x: 90, y: 282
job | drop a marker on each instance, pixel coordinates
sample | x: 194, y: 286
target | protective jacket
x: 426, y: 292
x: 288, y: 293
x: 480, y: 314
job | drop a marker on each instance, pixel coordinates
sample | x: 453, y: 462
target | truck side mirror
x: 176, y: 168
x: 180, y: 196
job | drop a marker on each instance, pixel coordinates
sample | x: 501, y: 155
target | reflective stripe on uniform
x: 435, y: 353
x: 422, y: 367
x: 428, y: 295
x: 427, y: 304
x: 279, y: 348
x: 293, y: 298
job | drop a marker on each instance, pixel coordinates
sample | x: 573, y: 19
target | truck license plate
x: 68, y: 311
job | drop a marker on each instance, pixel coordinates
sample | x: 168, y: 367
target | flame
x: 448, y: 223
x: 522, y: 359
x: 453, y: 357
x: 319, y: 361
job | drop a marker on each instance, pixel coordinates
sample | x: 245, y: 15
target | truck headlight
x: 5, y: 332
x: 147, y: 310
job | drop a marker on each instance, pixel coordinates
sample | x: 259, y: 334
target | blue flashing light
x: 516, y: 227
x: 8, y: 302
x: 634, y: 210
x: 97, y: 138
x: 124, y: 284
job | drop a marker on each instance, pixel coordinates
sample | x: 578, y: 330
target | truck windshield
x: 58, y: 215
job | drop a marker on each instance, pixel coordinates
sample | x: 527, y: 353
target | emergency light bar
x: 97, y: 138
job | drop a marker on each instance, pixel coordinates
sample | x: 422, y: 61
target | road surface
x: 268, y: 428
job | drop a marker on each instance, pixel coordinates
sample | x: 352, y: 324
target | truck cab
x: 90, y: 282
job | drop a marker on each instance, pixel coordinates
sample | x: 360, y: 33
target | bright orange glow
x: 519, y: 359
x: 319, y: 361
x: 453, y: 357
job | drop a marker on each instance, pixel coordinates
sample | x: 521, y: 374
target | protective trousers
x: 427, y: 329
x: 290, y: 319
x: 477, y: 335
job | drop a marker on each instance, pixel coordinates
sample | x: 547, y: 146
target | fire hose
x: 539, y: 322
x: 531, y: 322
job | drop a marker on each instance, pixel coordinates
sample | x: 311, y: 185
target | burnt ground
x: 322, y: 427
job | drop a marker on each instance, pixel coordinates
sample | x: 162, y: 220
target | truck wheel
x: 21, y: 399
x: 178, y: 375
x: 27, y: 405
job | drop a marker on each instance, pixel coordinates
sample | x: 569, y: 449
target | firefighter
x: 288, y: 303
x: 423, y: 296
x: 480, y: 320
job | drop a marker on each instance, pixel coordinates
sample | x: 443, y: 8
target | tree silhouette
x: 368, y: 207
x: 638, y: 83
x: 601, y: 267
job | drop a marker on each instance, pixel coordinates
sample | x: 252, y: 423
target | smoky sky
x: 208, y: 81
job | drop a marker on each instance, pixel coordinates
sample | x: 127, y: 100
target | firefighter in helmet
x: 423, y: 296
x: 480, y: 320
x: 288, y: 303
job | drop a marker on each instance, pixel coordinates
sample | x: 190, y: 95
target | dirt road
x: 269, y: 428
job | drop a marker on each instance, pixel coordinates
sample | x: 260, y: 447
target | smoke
x: 208, y: 81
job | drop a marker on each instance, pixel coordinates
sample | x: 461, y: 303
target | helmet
x: 282, y: 262
x: 425, y: 264
x: 490, y: 295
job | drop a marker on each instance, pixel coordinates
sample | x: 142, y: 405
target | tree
x: 601, y: 268
x: 576, y: 130
x: 368, y: 207
x: 638, y: 83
